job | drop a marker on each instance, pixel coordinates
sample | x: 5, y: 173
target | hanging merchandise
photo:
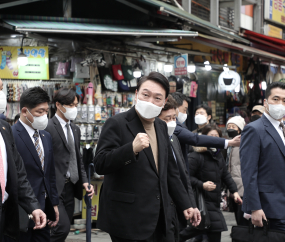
x: 193, y: 89
x: 83, y: 132
x: 77, y: 80
x: 229, y: 80
x: 98, y: 93
x: 279, y: 76
x: 127, y: 70
x: 104, y: 114
x: 74, y: 61
x: 78, y: 117
x: 62, y: 69
x: 117, y: 70
x: 269, y: 76
x: 97, y: 113
x: 143, y: 65
x: 106, y: 78
x: 84, y: 113
x: 123, y: 86
x: 89, y: 132
x: 96, y: 133
x: 186, y: 88
x: 91, y: 114
x: 133, y: 85
x: 90, y: 92
x: 81, y: 71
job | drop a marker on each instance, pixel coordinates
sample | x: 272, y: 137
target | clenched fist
x: 209, y: 186
x: 140, y: 142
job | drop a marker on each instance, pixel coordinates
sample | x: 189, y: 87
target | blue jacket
x: 262, y: 156
x: 41, y: 181
x: 186, y: 138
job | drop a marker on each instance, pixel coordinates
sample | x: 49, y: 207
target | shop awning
x: 242, y: 49
x: 264, y: 39
x: 172, y: 10
x: 90, y: 28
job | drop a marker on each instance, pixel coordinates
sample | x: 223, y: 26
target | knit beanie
x: 238, y: 121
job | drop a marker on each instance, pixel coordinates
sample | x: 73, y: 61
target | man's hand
x: 209, y: 186
x: 89, y: 191
x: 194, y: 216
x: 257, y: 216
x: 237, y: 198
x: 235, y: 141
x: 140, y: 142
x: 54, y: 223
x: 39, y: 218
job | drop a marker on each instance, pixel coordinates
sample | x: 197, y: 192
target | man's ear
x: 209, y: 117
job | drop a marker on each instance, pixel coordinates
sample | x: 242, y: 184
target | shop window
x: 201, y: 9
x: 227, y: 17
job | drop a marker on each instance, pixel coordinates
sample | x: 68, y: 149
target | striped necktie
x: 38, y: 148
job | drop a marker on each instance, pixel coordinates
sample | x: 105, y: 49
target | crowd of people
x: 155, y: 169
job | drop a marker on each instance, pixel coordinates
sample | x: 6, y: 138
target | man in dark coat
x: 15, y: 189
x: 134, y: 153
x: 168, y: 114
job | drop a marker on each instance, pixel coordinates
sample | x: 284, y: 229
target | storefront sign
x: 180, y: 64
x: 37, y: 67
x: 273, y: 31
x: 275, y: 10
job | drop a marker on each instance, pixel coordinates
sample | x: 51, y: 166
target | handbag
x: 81, y: 71
x: 256, y: 234
x: 127, y: 70
x: 117, y: 71
x: 201, y: 205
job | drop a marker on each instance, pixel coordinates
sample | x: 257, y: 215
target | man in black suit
x: 168, y: 114
x: 134, y: 153
x: 70, y: 173
x: 14, y: 186
x: 35, y: 147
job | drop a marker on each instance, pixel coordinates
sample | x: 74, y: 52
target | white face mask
x: 171, y: 127
x: 70, y: 113
x: 276, y: 111
x: 200, y: 119
x: 182, y: 117
x: 40, y: 123
x: 3, y: 102
x: 148, y: 110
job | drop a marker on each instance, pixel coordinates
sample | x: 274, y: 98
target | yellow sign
x: 95, y: 201
x: 273, y: 31
x: 37, y: 67
x: 276, y: 11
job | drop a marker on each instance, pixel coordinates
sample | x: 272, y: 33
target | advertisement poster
x: 275, y: 11
x: 37, y: 67
x: 95, y: 201
x: 273, y: 31
x: 180, y: 64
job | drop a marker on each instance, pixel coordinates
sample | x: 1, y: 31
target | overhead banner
x: 37, y: 67
x: 275, y: 11
x: 180, y: 64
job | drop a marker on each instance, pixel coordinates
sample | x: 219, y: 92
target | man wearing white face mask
x: 262, y: 155
x: 203, y: 115
x: 70, y: 173
x: 134, y: 154
x: 168, y: 114
x: 35, y: 147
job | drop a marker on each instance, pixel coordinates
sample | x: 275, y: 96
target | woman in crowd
x: 207, y: 172
x: 234, y: 127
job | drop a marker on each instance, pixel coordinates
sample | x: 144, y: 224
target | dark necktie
x: 283, y: 127
x: 73, y: 160
x: 38, y: 148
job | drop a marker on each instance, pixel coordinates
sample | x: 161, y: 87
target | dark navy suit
x: 262, y: 155
x: 42, y: 182
x: 186, y: 138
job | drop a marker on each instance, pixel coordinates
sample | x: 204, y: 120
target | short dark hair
x: 206, y: 108
x: 65, y: 96
x: 156, y: 77
x: 32, y: 97
x: 210, y: 127
x: 170, y: 104
x: 16, y: 118
x: 179, y: 98
x: 272, y: 86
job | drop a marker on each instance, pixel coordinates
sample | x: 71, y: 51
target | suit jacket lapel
x: 135, y: 126
x: 46, y: 151
x: 59, y: 129
x: 161, y: 146
x: 274, y: 134
x: 22, y: 132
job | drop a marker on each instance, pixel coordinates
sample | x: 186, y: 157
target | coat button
x: 157, y: 197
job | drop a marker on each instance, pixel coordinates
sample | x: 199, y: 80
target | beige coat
x: 235, y: 170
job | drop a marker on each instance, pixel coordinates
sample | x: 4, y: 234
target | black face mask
x: 254, y: 117
x: 232, y: 133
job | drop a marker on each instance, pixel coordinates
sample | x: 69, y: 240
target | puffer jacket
x: 205, y: 165
x: 235, y: 170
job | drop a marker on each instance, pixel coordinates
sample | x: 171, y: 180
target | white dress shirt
x: 63, y: 125
x: 276, y: 124
x: 31, y: 133
x: 4, y: 157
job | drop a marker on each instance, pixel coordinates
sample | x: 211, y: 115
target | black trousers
x: 190, y: 232
x: 239, y: 214
x: 157, y: 236
x: 37, y: 235
x: 66, y: 209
